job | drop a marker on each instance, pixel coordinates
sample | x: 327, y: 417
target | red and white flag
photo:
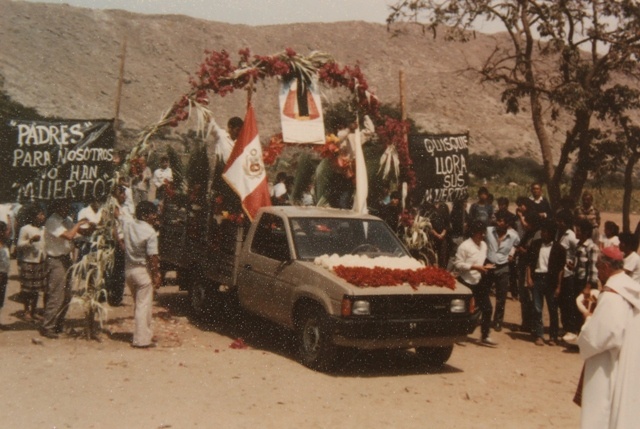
x: 244, y: 171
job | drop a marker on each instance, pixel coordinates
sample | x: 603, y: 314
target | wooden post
x: 403, y: 101
x: 116, y: 116
x: 249, y: 91
x: 403, y: 116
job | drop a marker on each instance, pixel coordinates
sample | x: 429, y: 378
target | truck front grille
x: 411, y: 306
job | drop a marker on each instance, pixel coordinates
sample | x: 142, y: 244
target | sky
x: 251, y: 12
x: 257, y: 12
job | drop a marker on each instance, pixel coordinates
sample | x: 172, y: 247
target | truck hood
x: 316, y: 275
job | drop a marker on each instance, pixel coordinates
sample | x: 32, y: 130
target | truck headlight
x: 458, y: 306
x: 361, y: 308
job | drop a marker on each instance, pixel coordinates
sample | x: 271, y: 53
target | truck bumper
x: 374, y: 334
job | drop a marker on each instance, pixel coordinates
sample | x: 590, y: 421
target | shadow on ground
x: 225, y: 317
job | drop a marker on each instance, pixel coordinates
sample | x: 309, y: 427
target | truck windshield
x: 315, y: 237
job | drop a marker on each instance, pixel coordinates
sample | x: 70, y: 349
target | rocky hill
x: 64, y: 61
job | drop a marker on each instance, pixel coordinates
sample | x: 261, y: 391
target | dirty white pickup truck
x: 274, y: 270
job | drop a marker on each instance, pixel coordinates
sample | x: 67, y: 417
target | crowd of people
x: 539, y: 256
x: 589, y: 282
x: 46, y: 248
x: 47, y: 239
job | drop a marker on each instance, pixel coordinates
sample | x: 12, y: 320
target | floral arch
x: 218, y: 75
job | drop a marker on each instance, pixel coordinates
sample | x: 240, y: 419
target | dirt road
x: 196, y: 378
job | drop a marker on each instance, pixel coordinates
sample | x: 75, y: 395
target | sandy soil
x: 232, y: 370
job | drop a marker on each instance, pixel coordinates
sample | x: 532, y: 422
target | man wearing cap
x: 610, y: 346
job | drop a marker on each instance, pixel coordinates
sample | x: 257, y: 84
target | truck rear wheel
x: 183, y: 277
x: 316, y: 349
x: 200, y: 297
x: 434, y: 356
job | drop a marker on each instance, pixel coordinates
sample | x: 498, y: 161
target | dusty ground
x: 197, y: 378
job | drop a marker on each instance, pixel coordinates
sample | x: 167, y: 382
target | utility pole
x: 116, y: 116
x: 403, y: 101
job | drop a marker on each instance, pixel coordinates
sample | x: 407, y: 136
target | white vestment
x: 610, y: 345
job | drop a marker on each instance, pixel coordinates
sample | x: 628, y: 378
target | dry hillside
x: 64, y: 61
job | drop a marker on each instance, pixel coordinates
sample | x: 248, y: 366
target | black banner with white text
x: 66, y: 159
x: 440, y: 166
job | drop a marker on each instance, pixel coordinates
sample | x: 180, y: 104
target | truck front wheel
x: 434, y: 356
x: 317, y: 351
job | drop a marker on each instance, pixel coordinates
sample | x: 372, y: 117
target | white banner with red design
x: 301, y: 112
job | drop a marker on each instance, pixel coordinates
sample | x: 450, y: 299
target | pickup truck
x: 272, y: 268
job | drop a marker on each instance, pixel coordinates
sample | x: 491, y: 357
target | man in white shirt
x: 545, y: 269
x: 224, y: 140
x: 162, y: 177
x: 93, y: 214
x: 569, y: 290
x: 142, y: 269
x: 279, y: 193
x: 128, y: 205
x: 59, y: 232
x: 470, y: 263
x: 628, y: 245
x: 540, y: 204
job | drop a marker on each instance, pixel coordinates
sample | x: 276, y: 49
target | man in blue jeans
x: 501, y: 247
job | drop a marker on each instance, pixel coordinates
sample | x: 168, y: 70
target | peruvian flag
x: 244, y: 171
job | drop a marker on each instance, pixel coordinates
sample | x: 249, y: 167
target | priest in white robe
x: 610, y: 346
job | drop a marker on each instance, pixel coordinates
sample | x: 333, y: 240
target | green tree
x: 621, y: 149
x: 563, y: 58
x: 177, y: 168
x: 198, y: 171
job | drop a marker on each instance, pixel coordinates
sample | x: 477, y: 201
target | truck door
x: 263, y: 285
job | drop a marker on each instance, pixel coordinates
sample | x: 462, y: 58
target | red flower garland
x: 137, y: 166
x: 378, y: 276
x: 273, y: 150
x: 219, y: 76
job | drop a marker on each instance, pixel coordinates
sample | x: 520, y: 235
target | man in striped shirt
x: 587, y: 253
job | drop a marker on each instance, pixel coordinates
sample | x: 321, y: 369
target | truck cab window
x: 270, y: 238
